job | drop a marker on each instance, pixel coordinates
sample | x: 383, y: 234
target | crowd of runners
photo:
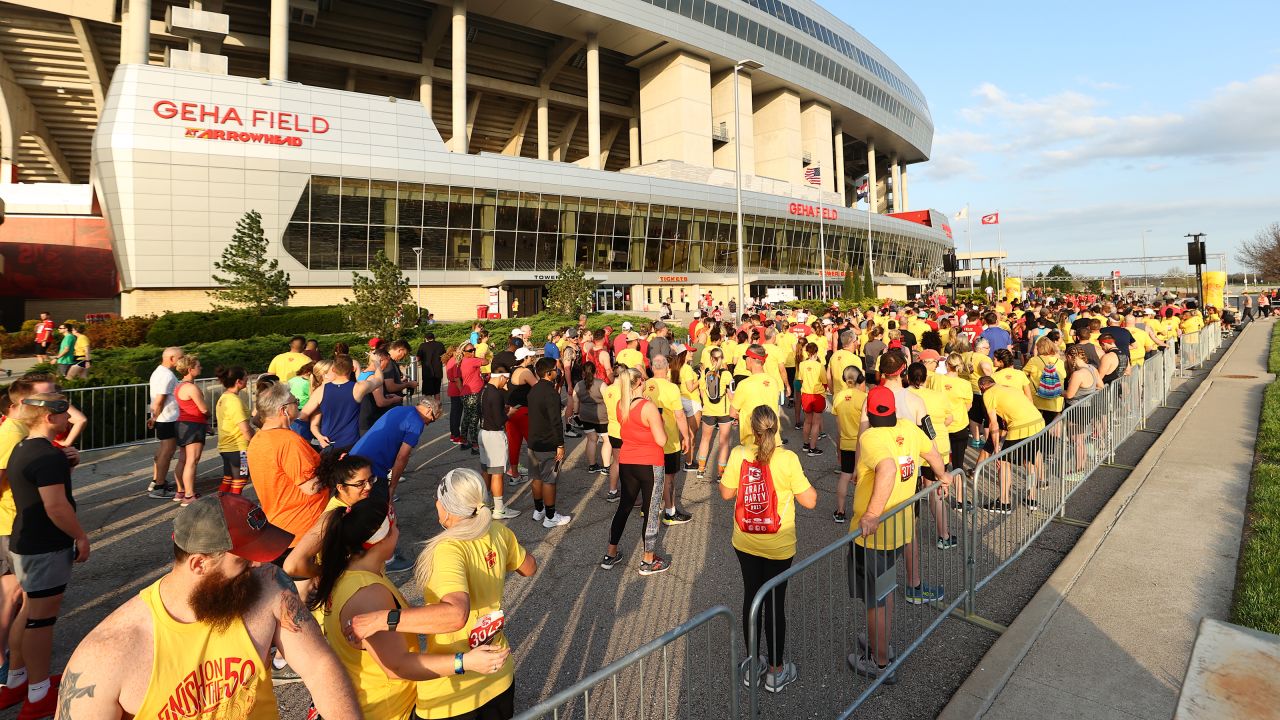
x: 295, y: 586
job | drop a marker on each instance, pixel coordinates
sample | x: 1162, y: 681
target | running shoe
x: 822, y: 436
x: 284, y: 672
x: 612, y: 496
x: 688, y: 466
x: 188, y: 499
x: 996, y: 506
x: 798, y: 426
x: 966, y: 505
x: 608, y: 562
x: 946, y: 543
x: 455, y: 439
x: 538, y: 515
x: 839, y: 517
x: 679, y: 517
x: 867, y: 667
x: 514, y: 479
x: 593, y: 468
x: 45, y: 708
x: 475, y: 450
x: 177, y: 497
x: 814, y: 451
x: 463, y: 446
x: 164, y: 492
x: 923, y: 593
x: 775, y: 681
x: 864, y: 649
x: 1031, y: 504
x: 506, y: 514
x: 702, y: 473
x: 762, y: 666
x: 571, y: 433
x: 12, y: 696
x: 659, y: 565
x: 398, y: 563
x: 557, y: 521
x: 602, y: 469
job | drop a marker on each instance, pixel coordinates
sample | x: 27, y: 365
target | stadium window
x: 686, y: 8
x: 731, y: 25
x: 355, y: 201
x: 324, y: 247
x: 699, y: 10
x: 722, y: 18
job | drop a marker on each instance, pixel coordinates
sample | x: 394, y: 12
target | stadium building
x: 481, y: 144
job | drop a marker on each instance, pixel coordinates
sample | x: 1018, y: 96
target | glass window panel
x: 355, y: 201
x: 302, y: 212
x: 435, y: 206
x: 382, y: 203
x: 324, y: 247
x: 549, y: 217
x: 295, y: 241
x: 549, y: 252
x: 455, y: 244
x: 504, y: 251
x: 353, y: 247
x: 462, y: 202
x: 526, y: 247
x: 508, y: 209
x: 325, y: 194
x: 383, y: 239
x: 410, y: 208
x: 409, y: 238
x: 530, y: 210
x: 699, y: 9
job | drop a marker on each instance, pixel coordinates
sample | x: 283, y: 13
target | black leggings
x: 644, y: 481
x: 959, y: 445
x: 455, y: 416
x: 756, y: 571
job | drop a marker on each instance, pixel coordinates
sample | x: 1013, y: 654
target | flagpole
x: 1000, y: 248
x: 968, y: 235
x: 822, y: 242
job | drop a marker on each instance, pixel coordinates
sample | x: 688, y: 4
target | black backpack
x: 715, y: 393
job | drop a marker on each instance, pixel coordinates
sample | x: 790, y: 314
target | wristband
x: 457, y: 664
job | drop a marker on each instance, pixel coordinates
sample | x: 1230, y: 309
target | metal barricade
x: 689, y: 671
x: 814, y: 610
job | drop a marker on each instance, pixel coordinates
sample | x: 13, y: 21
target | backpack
x: 715, y: 393
x: 1049, y: 386
x: 756, y: 509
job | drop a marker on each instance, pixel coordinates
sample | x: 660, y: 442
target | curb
x: 976, y: 695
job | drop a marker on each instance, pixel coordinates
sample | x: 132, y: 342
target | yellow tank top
x: 196, y: 672
x: 379, y: 695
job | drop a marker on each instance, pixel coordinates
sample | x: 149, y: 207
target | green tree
x: 379, y: 301
x: 1059, y: 279
x: 852, y: 289
x: 571, y: 292
x: 249, y: 280
x: 868, y: 284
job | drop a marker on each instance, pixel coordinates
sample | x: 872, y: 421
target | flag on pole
x: 864, y: 189
x: 813, y: 175
x: 963, y: 214
x: 992, y: 219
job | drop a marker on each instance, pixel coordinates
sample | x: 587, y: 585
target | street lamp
x: 1144, y: 255
x: 418, y: 251
x: 737, y: 170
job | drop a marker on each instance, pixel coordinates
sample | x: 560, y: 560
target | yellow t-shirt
x: 1142, y: 344
x: 1011, y: 377
x: 688, y: 375
x: 1020, y: 415
x: 666, y: 396
x: 479, y: 568
x: 821, y: 341
x: 379, y: 696
x: 231, y: 412
x: 958, y: 394
x: 974, y: 361
x: 482, y: 353
x: 847, y: 406
x: 12, y: 432
x: 721, y: 408
x: 704, y: 358
x: 813, y: 377
x: 286, y: 364
x: 786, y: 342
x: 750, y: 393
x: 632, y: 358
x: 1190, y: 325
x: 905, y: 444
x: 840, y: 360
x: 918, y: 327
x: 731, y: 352
x: 938, y: 406
x: 612, y: 395
x: 82, y: 347
x: 1034, y: 369
x: 774, y: 361
x: 788, y: 481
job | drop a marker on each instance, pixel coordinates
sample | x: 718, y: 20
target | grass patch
x: 1258, y: 576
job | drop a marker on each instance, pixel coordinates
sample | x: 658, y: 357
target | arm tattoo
x: 294, y: 616
x: 70, y: 690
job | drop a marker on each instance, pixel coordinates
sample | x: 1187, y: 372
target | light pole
x: 418, y: 251
x: 1144, y: 255
x: 737, y: 170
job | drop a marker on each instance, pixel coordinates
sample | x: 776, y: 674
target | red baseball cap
x: 882, y: 407
x: 229, y: 523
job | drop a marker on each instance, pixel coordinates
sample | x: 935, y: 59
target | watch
x: 393, y: 619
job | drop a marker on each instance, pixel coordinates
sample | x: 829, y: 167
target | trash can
x: 495, y: 315
x: 482, y: 312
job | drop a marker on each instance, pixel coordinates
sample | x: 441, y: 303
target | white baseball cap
x: 522, y: 353
x: 515, y: 332
x: 626, y: 325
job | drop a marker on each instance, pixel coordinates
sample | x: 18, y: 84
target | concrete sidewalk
x: 1110, y: 634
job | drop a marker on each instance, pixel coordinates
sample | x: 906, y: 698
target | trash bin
x: 495, y: 315
x: 482, y: 311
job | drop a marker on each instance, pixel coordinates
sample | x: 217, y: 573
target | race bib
x: 487, y: 628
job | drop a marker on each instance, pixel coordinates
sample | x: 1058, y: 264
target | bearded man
x: 196, y: 642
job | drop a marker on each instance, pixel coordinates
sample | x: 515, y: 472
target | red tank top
x: 187, y: 409
x: 638, y: 447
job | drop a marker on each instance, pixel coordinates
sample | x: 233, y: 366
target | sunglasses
x: 57, y: 407
x: 365, y: 483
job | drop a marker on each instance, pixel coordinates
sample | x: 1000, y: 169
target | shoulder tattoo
x: 69, y: 690
x: 294, y: 615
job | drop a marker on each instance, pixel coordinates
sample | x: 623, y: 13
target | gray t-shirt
x: 164, y: 382
x: 591, y: 402
x: 659, y: 346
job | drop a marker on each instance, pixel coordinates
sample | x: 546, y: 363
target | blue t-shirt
x: 400, y: 424
x: 551, y: 351
x: 998, y: 337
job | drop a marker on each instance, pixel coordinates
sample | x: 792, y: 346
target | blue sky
x: 1086, y: 123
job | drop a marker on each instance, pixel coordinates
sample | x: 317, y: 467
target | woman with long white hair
x: 462, y: 572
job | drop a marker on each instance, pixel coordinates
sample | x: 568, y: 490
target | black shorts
x: 872, y: 572
x: 167, y: 430
x: 848, y: 461
x: 716, y: 420
x: 1049, y: 415
x: 190, y: 433
x: 978, y: 411
x: 615, y: 443
x: 673, y: 462
x: 235, y: 464
x: 791, y: 375
x: 599, y: 428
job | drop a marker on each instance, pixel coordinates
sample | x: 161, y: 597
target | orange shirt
x: 279, y: 460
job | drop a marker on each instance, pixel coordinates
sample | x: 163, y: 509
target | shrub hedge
x: 199, y: 327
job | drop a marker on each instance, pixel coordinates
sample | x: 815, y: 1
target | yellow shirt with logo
x: 753, y: 391
x: 904, y: 444
x: 788, y: 481
x: 787, y: 342
x: 479, y: 568
x: 12, y: 432
x: 1020, y: 415
x: 974, y: 362
x: 688, y: 375
x: 720, y: 408
x: 612, y: 395
x: 231, y: 412
x: 847, y: 406
x: 1011, y: 377
x: 1142, y: 344
x: 774, y: 362
x: 666, y: 396
x: 938, y: 406
x: 813, y: 377
x: 632, y: 358
x: 286, y: 364
x: 958, y: 394
x: 840, y: 360
x: 379, y: 696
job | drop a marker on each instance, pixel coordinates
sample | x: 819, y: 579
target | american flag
x: 813, y: 175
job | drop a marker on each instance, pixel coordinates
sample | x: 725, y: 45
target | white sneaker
x: 557, y: 521
x: 506, y: 514
x: 539, y: 515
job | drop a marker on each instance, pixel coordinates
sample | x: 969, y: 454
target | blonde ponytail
x: 465, y: 490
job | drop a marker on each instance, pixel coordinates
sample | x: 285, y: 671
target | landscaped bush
x: 18, y: 343
x: 119, y: 332
x: 188, y: 327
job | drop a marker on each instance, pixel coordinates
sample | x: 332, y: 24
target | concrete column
x: 905, y: 204
x: 873, y: 199
x: 458, y: 91
x: 135, y: 36
x: 896, y: 173
x: 675, y: 109
x: 815, y: 139
x: 426, y: 93
x: 837, y: 141
x: 633, y: 139
x: 279, y: 62
x: 544, y: 130
x: 722, y: 114
x: 593, y: 102
x: 777, y: 136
